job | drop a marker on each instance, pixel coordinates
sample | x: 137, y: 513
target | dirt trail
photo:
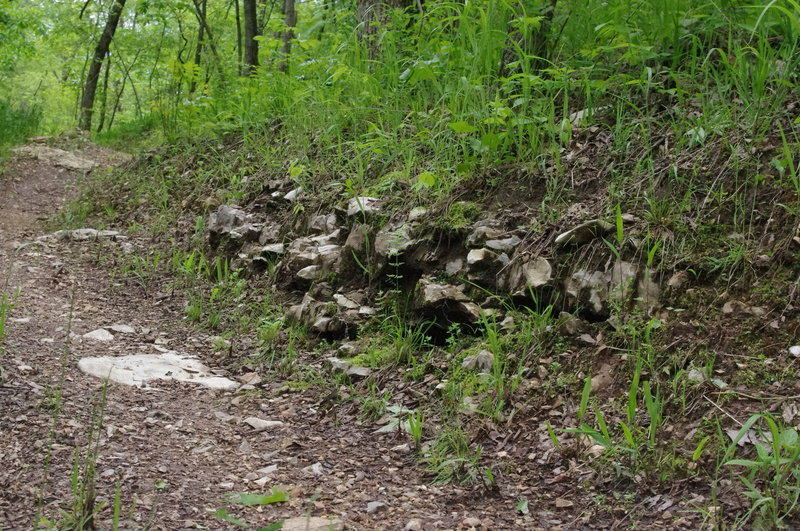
x: 178, y: 449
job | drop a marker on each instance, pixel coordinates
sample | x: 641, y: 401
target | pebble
x: 101, y: 334
x: 314, y: 470
x: 413, y: 525
x: 261, y: 424
x: 795, y: 351
x: 471, y: 522
x: 375, y: 507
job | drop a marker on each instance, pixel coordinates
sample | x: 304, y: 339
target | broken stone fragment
x: 324, y: 223
x: 621, y: 279
x: 345, y: 302
x: 294, y: 195
x: 101, y: 334
x: 226, y: 219
x: 584, y: 233
x: 537, y: 272
x: 505, y: 245
x: 433, y: 292
x: 587, y: 289
x: 522, y: 276
x: 312, y: 272
x: 417, y: 213
x: 260, y: 425
x: 271, y: 250
x: 363, y: 205
x: 480, y: 259
x: 338, y: 365
x: 312, y: 523
x: 391, y: 241
x: 483, y: 233
x: 482, y: 361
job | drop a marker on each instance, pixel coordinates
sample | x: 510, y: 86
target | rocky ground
x: 176, y: 450
x: 180, y: 441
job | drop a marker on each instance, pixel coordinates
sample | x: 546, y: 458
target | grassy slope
x: 690, y: 132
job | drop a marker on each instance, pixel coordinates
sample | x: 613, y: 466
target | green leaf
x: 522, y: 506
x: 243, y: 498
x: 744, y: 462
x: 223, y: 514
x: 462, y: 127
x: 426, y: 179
x: 491, y: 140
x: 587, y: 390
x: 274, y: 527
x: 699, y: 450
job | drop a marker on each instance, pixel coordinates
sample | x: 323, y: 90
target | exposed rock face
x: 336, y: 257
x: 527, y: 274
x: 310, y: 258
x: 393, y: 240
x: 445, y: 303
x: 621, y: 283
x: 228, y: 229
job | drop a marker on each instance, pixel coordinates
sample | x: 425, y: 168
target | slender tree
x: 100, y: 53
x: 290, y: 19
x: 250, y: 11
x: 198, y: 48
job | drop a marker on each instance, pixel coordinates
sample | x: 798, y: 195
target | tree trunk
x: 100, y: 52
x: 290, y: 19
x: 250, y: 12
x: 104, y: 101
x: 211, y: 43
x: 198, y: 49
x: 239, y: 51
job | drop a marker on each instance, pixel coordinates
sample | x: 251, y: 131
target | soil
x: 176, y: 450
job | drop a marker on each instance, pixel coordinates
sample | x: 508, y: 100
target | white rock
x: 504, y: 245
x: 311, y: 272
x: 483, y: 360
x: 413, y: 525
x: 139, y: 369
x: 122, y: 329
x: 101, y: 334
x: 365, y: 205
x: 375, y: 507
x: 345, y: 302
x: 795, y: 351
x: 314, y: 470
x: 537, y: 272
x: 312, y: 523
x: 267, y: 470
x: 696, y: 375
x: 294, y: 195
x: 261, y: 424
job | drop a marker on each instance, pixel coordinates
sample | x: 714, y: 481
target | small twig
x: 722, y: 410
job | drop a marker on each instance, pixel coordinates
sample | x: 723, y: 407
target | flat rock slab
x: 312, y: 523
x: 57, y: 157
x: 139, y: 369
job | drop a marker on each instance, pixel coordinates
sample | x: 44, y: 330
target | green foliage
x: 772, y: 478
x: 17, y: 122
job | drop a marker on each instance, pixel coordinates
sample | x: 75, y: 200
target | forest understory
x: 399, y: 265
